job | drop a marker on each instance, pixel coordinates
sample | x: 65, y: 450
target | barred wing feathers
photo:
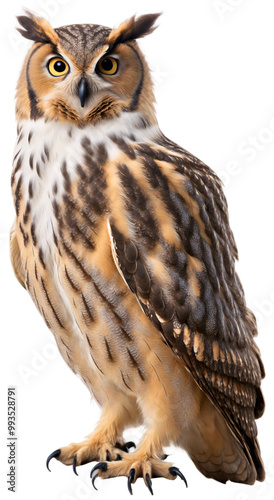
x: 179, y: 261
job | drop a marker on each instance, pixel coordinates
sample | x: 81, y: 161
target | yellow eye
x: 58, y: 67
x: 108, y: 65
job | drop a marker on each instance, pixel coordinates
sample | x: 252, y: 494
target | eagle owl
x: 123, y: 242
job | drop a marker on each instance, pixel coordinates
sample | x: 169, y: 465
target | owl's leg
x: 147, y: 461
x: 106, y: 442
x: 165, y: 399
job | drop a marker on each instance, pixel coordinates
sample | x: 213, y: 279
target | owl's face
x: 84, y: 73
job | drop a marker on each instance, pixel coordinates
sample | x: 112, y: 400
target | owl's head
x: 83, y: 73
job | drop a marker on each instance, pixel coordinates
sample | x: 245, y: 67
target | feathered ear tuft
x: 133, y: 28
x: 37, y: 29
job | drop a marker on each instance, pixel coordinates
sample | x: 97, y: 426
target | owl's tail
x: 218, y: 453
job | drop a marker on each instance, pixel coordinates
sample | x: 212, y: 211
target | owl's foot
x: 133, y: 466
x: 89, y: 451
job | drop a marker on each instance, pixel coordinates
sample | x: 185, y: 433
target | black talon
x: 108, y: 459
x: 93, y: 481
x: 130, y: 479
x: 118, y: 457
x: 103, y: 467
x: 128, y: 445
x: 74, y: 465
x: 54, y: 454
x: 149, y: 483
x: 174, y: 471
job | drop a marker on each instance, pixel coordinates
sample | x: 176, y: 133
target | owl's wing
x: 178, y: 259
x: 15, y: 256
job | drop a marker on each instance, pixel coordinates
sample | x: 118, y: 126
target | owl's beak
x: 83, y: 91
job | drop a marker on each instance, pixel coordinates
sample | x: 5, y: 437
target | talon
x: 74, y: 465
x: 54, y: 454
x: 101, y: 466
x: 118, y: 457
x: 174, y: 471
x: 108, y: 459
x: 93, y: 482
x: 128, y: 445
x: 149, y: 483
x: 130, y: 479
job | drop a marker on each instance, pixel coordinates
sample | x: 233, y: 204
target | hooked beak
x: 83, y: 91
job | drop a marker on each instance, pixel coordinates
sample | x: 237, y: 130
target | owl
x: 122, y: 240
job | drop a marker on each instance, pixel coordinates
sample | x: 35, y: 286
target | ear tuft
x: 133, y: 28
x: 37, y: 29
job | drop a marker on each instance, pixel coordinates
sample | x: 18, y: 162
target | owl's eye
x: 107, y: 66
x: 57, y: 66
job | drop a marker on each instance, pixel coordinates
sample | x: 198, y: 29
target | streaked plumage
x: 123, y: 241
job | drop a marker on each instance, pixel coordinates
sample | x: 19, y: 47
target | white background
x: 212, y: 64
